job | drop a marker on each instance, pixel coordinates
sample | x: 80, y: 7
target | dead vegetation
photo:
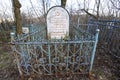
x: 105, y: 66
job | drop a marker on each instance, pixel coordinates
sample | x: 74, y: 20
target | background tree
x: 17, y: 15
x: 95, y: 9
x: 116, y: 7
x: 115, y: 4
x: 63, y: 3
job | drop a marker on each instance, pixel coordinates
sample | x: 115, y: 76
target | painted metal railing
x: 109, y: 37
x: 37, y: 55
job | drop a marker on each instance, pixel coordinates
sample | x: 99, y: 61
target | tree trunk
x: 63, y: 3
x: 98, y: 7
x: 17, y: 16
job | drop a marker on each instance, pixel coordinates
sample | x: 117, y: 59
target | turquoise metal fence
x: 109, y: 37
x: 35, y: 54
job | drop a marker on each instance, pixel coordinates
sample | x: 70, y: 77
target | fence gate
x: 54, y: 51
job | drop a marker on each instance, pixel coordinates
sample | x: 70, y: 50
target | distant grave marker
x: 57, y: 23
x: 25, y: 30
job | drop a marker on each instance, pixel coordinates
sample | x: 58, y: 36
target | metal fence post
x: 12, y: 35
x: 94, y: 49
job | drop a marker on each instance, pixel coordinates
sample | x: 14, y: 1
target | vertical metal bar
x: 28, y: 51
x: 94, y: 49
x: 68, y: 49
x: 110, y: 34
x: 43, y: 55
x: 12, y: 35
x: 55, y: 48
x: 86, y: 52
x: 31, y: 28
x: 18, y: 65
x: 30, y: 31
x: 49, y: 57
x: 36, y: 57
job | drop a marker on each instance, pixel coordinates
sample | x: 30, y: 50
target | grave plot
x: 56, y: 50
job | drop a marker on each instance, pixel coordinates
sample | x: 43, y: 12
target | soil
x: 106, y: 67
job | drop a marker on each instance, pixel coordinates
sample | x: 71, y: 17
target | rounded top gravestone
x: 57, y: 23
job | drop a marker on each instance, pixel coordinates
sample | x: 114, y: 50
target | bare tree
x: 45, y: 7
x: 86, y: 8
x: 17, y: 15
x: 98, y: 7
x: 115, y: 4
x: 116, y: 7
x: 63, y: 3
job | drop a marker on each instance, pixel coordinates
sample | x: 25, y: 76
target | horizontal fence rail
x: 38, y: 55
x: 55, y: 58
x: 109, y: 35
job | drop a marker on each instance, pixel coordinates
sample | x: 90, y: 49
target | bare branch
x: 114, y: 5
x: 89, y: 13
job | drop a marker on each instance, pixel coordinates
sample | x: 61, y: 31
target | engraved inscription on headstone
x: 57, y: 23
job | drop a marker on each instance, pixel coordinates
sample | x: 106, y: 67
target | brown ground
x: 105, y: 66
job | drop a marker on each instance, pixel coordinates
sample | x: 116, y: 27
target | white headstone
x: 25, y: 30
x: 57, y: 23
